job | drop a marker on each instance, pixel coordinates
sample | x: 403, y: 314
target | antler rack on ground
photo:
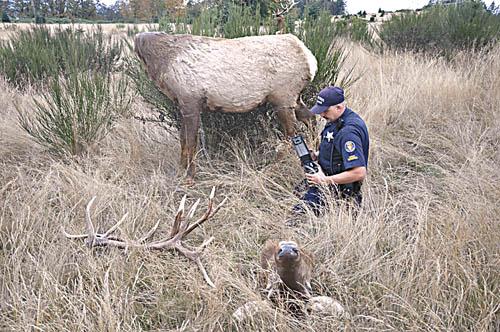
x: 181, y: 228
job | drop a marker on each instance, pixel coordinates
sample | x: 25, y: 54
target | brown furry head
x: 292, y: 264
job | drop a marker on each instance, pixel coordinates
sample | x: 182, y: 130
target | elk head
x: 285, y: 262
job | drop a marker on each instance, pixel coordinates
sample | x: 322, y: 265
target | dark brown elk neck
x: 289, y: 273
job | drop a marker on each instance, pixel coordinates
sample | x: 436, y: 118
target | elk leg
x: 286, y: 116
x: 189, y: 140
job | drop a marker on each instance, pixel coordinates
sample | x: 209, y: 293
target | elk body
x: 290, y: 263
x: 227, y: 75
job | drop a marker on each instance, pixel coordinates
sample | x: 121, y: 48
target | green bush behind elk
x: 443, y: 30
x: 33, y: 56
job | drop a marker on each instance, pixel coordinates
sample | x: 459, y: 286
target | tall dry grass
x: 423, y: 254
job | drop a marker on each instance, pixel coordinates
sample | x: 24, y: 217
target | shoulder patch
x: 350, y: 146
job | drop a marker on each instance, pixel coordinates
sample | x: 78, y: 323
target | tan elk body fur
x: 227, y: 75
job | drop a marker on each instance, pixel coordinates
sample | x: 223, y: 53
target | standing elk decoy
x: 203, y: 74
x: 181, y: 228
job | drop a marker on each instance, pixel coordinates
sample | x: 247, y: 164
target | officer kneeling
x: 342, y: 155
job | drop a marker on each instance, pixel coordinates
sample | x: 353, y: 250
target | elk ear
x: 268, y: 253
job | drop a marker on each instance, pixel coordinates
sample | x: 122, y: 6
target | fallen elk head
x: 181, y: 228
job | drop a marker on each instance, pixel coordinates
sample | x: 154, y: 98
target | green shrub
x: 206, y: 23
x: 33, y: 56
x: 443, y: 30
x: 59, y: 20
x: 241, y: 22
x: 76, y: 111
x: 178, y: 25
x: 5, y: 17
x: 357, y: 29
x: 319, y: 35
x: 40, y: 19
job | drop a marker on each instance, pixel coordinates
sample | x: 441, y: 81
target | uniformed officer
x: 342, y: 155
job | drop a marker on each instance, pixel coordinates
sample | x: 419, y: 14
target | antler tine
x: 286, y: 7
x: 205, y: 244
x: 204, y: 272
x: 150, y: 233
x: 180, y: 228
x: 90, y: 228
x: 185, y: 222
x: 112, y: 229
x: 178, y: 217
x: 193, y: 209
x: 206, y: 216
x: 71, y: 236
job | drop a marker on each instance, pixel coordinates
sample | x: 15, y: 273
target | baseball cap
x: 327, y: 97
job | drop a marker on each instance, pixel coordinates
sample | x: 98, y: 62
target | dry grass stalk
x: 421, y: 255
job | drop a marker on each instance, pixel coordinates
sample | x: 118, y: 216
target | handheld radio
x: 302, y: 151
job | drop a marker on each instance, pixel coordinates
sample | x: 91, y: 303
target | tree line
x: 145, y: 10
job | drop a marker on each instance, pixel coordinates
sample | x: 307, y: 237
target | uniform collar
x: 344, y: 115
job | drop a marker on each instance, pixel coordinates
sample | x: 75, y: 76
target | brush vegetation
x: 421, y: 255
x: 75, y: 112
x: 77, y: 99
x: 443, y: 30
x: 32, y: 57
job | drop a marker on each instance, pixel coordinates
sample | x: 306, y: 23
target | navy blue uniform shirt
x: 349, y: 136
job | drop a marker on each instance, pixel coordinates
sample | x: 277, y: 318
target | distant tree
x: 86, y: 9
x: 5, y: 17
x: 495, y: 10
x: 108, y: 13
x: 335, y: 7
x: 338, y: 7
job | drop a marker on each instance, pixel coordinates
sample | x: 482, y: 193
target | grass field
x: 114, y: 29
x: 422, y: 255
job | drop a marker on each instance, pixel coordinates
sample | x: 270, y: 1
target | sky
x: 354, y: 6
x: 371, y: 6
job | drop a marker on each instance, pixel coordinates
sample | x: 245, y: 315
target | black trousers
x: 315, y: 198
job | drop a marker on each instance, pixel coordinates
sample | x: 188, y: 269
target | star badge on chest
x: 329, y: 136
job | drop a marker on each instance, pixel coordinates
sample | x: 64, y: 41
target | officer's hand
x: 317, y: 178
x: 314, y: 155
